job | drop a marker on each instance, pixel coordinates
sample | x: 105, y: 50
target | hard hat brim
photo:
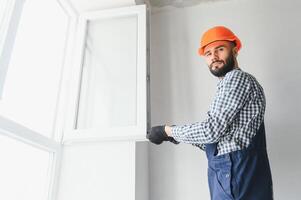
x: 234, y: 39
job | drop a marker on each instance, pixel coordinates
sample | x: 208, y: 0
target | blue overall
x: 240, y: 175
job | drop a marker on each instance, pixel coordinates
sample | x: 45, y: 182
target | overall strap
x: 259, y: 140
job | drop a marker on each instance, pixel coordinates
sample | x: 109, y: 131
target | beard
x: 222, y: 71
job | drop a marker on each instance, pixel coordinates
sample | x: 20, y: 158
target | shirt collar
x: 220, y: 81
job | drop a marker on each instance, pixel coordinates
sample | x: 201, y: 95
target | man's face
x: 220, y: 57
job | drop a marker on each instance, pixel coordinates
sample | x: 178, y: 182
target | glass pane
x: 3, y: 7
x: 9, y: 12
x: 23, y: 171
x: 33, y: 76
x: 108, y: 91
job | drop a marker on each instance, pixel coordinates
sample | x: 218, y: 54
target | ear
x: 235, y: 51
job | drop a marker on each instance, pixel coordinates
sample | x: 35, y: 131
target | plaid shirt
x: 233, y: 118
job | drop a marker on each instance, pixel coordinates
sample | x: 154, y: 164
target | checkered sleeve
x: 229, y: 100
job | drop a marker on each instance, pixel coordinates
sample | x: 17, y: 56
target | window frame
x: 132, y: 133
x: 11, y: 18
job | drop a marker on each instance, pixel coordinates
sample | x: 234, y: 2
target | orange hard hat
x: 218, y: 33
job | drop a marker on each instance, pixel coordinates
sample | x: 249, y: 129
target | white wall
x: 182, y: 88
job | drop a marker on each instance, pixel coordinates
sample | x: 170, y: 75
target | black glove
x: 157, y: 135
x: 172, y: 140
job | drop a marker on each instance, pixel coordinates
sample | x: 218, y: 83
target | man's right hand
x: 157, y: 135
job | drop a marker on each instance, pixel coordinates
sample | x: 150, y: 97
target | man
x: 233, y: 134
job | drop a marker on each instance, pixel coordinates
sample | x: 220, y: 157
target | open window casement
x: 109, y: 77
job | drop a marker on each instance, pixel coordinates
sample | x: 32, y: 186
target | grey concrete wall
x: 182, y: 88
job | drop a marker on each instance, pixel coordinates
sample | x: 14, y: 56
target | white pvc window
x: 32, y: 45
x: 29, y: 163
x: 24, y: 170
x: 32, y: 79
x: 108, y: 97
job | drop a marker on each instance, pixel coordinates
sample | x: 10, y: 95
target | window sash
x: 135, y: 132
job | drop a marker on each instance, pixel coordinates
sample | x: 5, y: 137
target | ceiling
x: 87, y: 5
x: 176, y: 3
